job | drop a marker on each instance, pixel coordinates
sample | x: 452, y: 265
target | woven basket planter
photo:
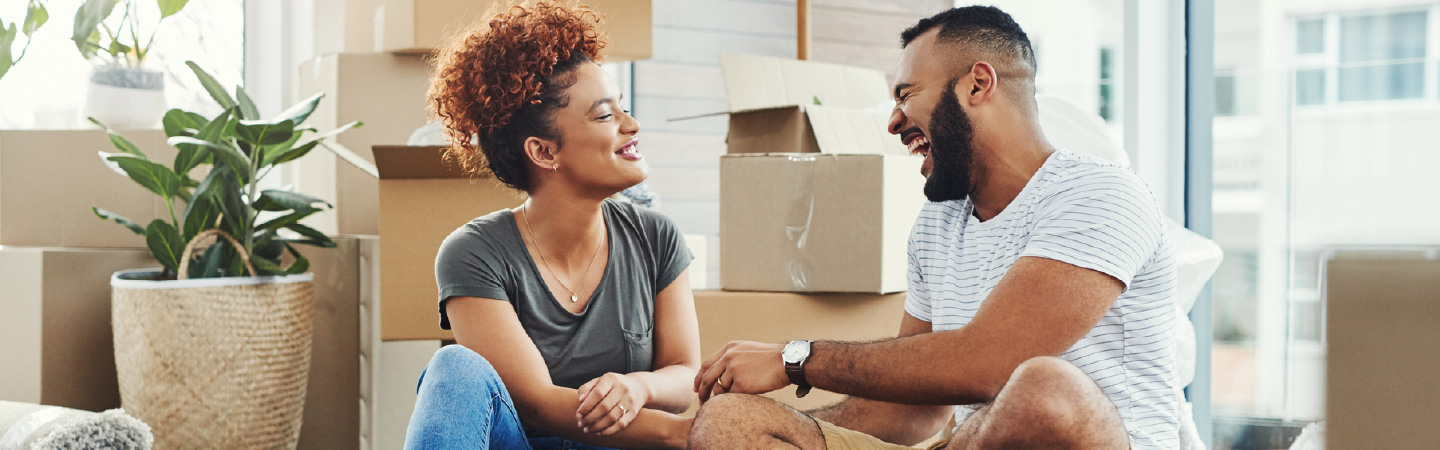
x: 216, y: 362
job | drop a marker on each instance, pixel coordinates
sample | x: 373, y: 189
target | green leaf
x: 248, y: 111
x: 155, y: 177
x: 116, y: 48
x: 282, y: 221
x: 35, y: 17
x: 315, y: 235
x: 87, y: 23
x: 119, y: 141
x: 179, y: 122
x: 278, y: 200
x: 191, y: 154
x: 262, y: 133
x: 107, y: 215
x: 291, y: 154
x: 266, y: 266
x: 341, y: 129
x: 268, y: 247
x: 170, y: 7
x: 300, y: 111
x: 7, y: 38
x: 112, y: 165
x: 270, y: 153
x: 200, y: 215
x: 165, y: 243
x: 300, y: 265
x: 207, y: 265
x: 228, y: 156
x: 213, y: 87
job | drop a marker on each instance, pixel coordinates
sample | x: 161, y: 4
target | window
x: 47, y: 89
x: 1308, y: 173
x: 1107, y: 84
x: 1375, y: 56
x: 1224, y: 93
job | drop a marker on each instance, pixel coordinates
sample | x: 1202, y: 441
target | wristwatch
x: 795, y: 355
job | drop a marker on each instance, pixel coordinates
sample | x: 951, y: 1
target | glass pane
x: 1310, y: 36
x: 1224, y: 95
x: 1382, y: 82
x: 1382, y: 37
x: 1309, y: 87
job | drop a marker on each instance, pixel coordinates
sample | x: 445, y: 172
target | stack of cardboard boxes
x: 405, y: 195
x: 816, y: 203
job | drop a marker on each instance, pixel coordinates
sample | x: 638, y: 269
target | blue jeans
x: 463, y: 404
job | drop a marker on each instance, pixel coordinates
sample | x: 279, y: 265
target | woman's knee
x: 455, y: 363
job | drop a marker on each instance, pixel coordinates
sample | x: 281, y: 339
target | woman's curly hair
x: 502, y: 81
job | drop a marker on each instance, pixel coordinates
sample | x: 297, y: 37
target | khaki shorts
x: 837, y: 438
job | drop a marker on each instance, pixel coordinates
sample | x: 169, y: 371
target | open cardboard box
x: 815, y: 195
x: 421, y: 201
x: 421, y: 26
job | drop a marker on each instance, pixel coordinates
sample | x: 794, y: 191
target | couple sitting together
x: 1041, y: 281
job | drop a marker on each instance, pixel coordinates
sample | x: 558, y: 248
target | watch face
x: 794, y: 352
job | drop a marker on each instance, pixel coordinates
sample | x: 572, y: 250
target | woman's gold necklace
x: 536, y: 240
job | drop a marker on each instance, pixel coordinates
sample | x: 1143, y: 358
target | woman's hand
x: 608, y: 404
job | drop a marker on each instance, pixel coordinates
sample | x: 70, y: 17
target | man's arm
x: 1040, y: 308
x: 890, y: 422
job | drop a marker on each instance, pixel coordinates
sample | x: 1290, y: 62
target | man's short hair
x: 985, y: 28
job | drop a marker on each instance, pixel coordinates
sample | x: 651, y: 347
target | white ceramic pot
x: 127, y: 107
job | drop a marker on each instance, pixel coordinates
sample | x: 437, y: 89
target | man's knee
x: 727, y: 410
x: 1053, y: 393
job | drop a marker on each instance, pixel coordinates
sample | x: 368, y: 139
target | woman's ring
x: 623, y: 410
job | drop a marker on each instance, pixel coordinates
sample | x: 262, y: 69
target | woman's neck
x: 567, y: 229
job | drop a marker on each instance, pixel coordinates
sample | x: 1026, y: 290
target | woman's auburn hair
x: 493, y: 79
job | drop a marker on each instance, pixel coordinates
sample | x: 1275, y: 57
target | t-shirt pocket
x: 639, y: 349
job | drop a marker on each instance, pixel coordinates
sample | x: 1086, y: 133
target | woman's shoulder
x: 646, y: 219
x: 488, y: 231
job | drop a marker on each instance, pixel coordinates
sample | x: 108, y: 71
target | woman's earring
x: 555, y: 168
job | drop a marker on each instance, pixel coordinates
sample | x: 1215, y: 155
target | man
x: 1041, y: 285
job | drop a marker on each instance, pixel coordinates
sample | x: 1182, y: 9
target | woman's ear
x: 541, y: 153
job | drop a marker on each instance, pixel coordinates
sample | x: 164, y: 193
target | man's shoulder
x: 1074, y: 176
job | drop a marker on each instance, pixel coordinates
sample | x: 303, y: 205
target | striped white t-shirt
x: 1084, y: 211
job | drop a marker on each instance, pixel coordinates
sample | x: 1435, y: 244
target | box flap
x: 396, y: 162
x: 758, y: 82
x: 852, y: 131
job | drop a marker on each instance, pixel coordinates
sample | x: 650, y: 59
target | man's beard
x: 951, y: 149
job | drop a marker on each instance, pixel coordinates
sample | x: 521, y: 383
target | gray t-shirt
x: 487, y: 258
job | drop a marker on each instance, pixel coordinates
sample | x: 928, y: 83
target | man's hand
x: 608, y: 404
x: 742, y: 367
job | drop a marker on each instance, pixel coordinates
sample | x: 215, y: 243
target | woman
x: 576, y: 307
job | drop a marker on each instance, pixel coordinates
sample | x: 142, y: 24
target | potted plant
x: 123, y: 92
x: 213, y: 348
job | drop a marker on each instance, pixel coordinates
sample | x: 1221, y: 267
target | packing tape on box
x: 799, y: 212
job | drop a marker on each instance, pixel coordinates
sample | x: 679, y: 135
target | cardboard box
x: 49, y: 179
x: 422, y: 201
x: 387, y: 93
x: 817, y: 223
x: 782, y: 317
x: 56, y: 324
x: 332, y: 414
x: 1383, y: 336
x: 786, y: 106
x: 815, y: 195
x: 421, y: 26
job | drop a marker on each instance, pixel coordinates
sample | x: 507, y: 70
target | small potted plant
x: 124, y: 91
x: 214, y: 346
